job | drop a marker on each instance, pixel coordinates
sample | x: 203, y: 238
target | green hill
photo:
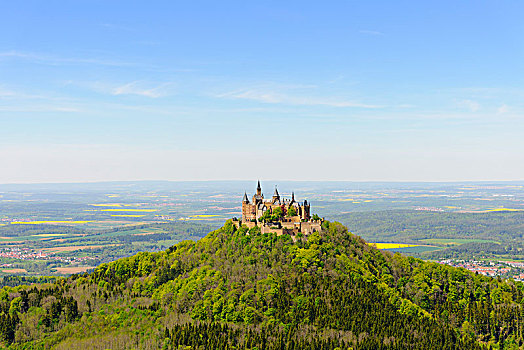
x: 236, y: 289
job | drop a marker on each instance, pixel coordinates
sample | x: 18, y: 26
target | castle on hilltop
x: 279, y: 215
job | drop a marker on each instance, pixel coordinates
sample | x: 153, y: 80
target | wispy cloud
x: 55, y: 61
x: 138, y: 88
x: 39, y: 109
x: 473, y: 106
x: 503, y: 109
x: 13, y: 100
x: 275, y: 97
x: 135, y: 88
x: 7, y: 94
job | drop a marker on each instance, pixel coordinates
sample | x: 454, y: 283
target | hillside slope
x: 236, y: 289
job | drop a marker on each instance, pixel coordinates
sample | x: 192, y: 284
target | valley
x: 58, y: 229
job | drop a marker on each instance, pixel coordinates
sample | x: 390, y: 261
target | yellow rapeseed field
x: 392, y: 245
x: 505, y: 209
x: 141, y: 210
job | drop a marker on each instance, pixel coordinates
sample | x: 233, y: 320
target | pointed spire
x: 292, y: 197
x: 246, y: 200
x: 276, y: 192
x: 259, y: 189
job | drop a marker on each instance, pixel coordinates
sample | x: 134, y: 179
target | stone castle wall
x: 300, y: 223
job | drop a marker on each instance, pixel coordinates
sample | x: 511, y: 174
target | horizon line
x: 269, y: 180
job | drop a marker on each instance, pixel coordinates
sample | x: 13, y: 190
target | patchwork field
x: 72, y: 270
x: 50, y: 226
x: 11, y: 271
x: 72, y: 248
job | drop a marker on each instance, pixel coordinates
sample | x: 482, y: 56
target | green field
x: 416, y: 249
x: 448, y: 242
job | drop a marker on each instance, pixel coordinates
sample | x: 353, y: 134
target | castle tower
x: 247, y: 209
x: 305, y: 213
x: 253, y: 210
x: 276, y: 196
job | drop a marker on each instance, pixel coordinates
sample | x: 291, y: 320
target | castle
x: 278, y: 215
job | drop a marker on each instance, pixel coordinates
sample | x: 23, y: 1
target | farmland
x: 61, y: 228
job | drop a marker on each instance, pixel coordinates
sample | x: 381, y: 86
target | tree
x: 266, y: 217
x: 291, y: 211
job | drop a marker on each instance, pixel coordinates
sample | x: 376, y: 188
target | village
x: 31, y: 254
x: 505, y: 269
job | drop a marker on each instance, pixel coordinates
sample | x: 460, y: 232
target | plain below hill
x: 498, y: 234
x: 239, y: 289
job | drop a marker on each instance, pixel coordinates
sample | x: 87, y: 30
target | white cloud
x: 116, y: 26
x: 135, y: 88
x: 503, y: 109
x: 274, y: 97
x: 55, y: 61
x: 6, y: 94
x: 371, y: 32
x: 473, y: 106
x: 40, y: 108
x: 139, y: 88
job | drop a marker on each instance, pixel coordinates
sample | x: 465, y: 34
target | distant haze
x: 354, y: 91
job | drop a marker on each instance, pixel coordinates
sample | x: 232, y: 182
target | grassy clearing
x: 417, y: 249
x: 14, y: 270
x: 72, y: 269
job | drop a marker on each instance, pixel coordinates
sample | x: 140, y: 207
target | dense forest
x: 405, y: 225
x: 476, y: 235
x: 239, y: 289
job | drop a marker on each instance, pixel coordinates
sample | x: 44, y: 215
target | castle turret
x: 276, y: 196
x: 296, y: 215
x: 305, y: 212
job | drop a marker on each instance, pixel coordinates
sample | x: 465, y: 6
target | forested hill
x: 236, y: 289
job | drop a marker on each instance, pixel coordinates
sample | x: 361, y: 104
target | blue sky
x: 337, y: 90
